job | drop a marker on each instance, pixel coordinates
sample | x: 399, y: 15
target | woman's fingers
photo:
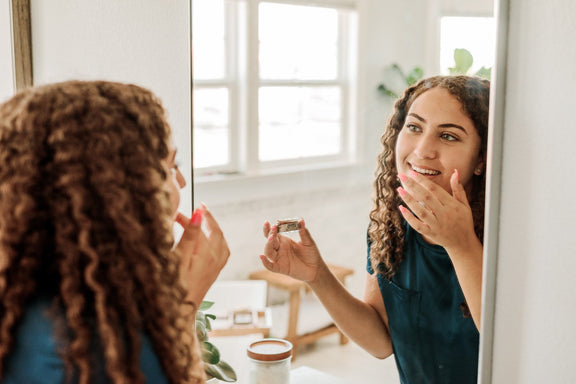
x: 266, y: 228
x: 424, y: 191
x: 272, y: 246
x: 458, y: 190
x: 305, y: 236
x: 182, y: 220
x: 191, y: 230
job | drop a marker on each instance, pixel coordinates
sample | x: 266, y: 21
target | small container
x: 288, y: 225
x: 269, y: 361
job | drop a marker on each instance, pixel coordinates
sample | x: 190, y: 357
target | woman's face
x: 438, y: 137
x: 175, y: 180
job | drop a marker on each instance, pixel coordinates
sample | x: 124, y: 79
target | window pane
x: 475, y: 34
x: 208, y: 39
x: 211, y: 130
x: 298, y: 42
x: 299, y: 122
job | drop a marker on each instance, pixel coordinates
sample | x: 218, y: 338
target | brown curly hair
x: 84, y: 218
x: 387, y: 227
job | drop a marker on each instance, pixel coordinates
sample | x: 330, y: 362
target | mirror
x: 247, y: 193
x: 241, y: 203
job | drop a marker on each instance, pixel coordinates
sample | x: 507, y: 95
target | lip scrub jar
x: 269, y: 361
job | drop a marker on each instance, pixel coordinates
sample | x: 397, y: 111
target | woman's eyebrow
x: 445, y: 125
x: 417, y: 117
x: 451, y: 125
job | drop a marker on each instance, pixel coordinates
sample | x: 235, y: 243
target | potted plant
x: 398, y: 80
x: 214, y: 367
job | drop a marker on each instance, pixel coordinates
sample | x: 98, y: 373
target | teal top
x: 35, y: 358
x: 433, y: 341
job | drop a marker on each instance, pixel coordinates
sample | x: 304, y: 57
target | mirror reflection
x: 290, y: 101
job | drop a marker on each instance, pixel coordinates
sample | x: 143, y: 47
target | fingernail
x: 203, y: 204
x: 457, y: 175
x: 196, y: 217
x: 401, y: 191
x: 402, y: 177
x: 270, y: 237
x: 413, y: 174
x: 402, y: 209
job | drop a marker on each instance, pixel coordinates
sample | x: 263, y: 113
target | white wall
x: 6, y: 64
x: 535, y: 335
x: 143, y: 42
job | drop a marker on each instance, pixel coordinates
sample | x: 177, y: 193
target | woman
x: 422, y: 298
x: 92, y: 287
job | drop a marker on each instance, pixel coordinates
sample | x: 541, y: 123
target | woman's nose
x: 426, y: 148
x: 180, y: 179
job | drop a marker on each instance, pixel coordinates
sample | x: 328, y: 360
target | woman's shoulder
x: 35, y: 357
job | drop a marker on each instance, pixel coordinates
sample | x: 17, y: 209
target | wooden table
x: 294, y: 287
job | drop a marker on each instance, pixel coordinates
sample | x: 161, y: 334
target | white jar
x: 269, y: 361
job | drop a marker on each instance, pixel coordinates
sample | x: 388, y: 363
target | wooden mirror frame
x: 21, y: 44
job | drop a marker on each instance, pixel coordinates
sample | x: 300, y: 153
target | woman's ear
x: 479, y: 168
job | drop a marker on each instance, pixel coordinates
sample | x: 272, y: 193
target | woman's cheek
x: 174, y: 191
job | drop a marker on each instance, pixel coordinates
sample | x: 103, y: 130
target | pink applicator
x: 196, y: 218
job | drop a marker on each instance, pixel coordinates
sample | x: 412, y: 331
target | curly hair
x: 84, y: 217
x: 387, y: 229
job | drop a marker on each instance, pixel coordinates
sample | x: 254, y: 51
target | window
x: 475, y: 34
x: 273, y: 84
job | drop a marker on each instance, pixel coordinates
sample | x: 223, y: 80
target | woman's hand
x: 300, y: 260
x: 203, y: 254
x: 442, y: 218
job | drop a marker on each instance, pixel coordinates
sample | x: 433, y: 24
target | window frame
x: 242, y: 81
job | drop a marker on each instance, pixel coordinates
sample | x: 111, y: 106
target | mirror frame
x: 493, y: 189
x: 21, y: 44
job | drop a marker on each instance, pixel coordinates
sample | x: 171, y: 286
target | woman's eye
x: 413, y: 128
x: 448, y: 137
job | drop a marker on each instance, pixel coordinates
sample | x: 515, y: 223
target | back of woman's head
x: 387, y: 229
x: 85, y: 219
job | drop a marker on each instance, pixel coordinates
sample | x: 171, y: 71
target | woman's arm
x: 446, y: 219
x: 363, y: 321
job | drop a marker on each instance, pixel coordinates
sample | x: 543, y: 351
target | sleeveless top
x: 432, y: 340
x: 35, y: 359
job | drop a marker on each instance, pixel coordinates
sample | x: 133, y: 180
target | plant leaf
x: 484, y: 73
x: 388, y: 92
x: 205, y: 305
x: 210, y: 354
x: 222, y: 371
x: 414, y: 75
x: 201, y: 331
x: 463, y: 60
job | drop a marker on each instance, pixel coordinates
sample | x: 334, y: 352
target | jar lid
x: 270, y: 350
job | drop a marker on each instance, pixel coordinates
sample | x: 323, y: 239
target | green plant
x: 213, y: 365
x: 406, y: 80
x: 397, y: 80
x: 463, y: 61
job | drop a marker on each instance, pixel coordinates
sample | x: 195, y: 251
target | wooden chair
x: 295, y: 288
